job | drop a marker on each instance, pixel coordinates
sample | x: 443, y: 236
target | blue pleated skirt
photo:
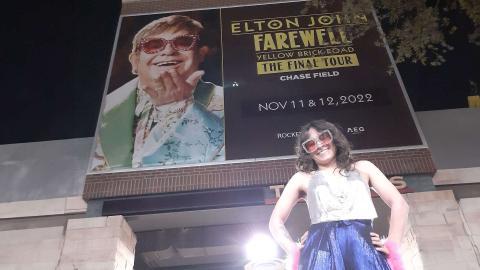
x: 341, y: 245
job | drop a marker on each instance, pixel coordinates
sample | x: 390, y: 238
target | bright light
x: 260, y: 248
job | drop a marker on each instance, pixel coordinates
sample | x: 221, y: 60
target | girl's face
x: 325, y: 152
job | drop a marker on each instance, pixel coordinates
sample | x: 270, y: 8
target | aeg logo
x: 355, y: 130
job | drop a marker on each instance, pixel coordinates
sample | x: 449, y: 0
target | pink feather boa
x: 295, y: 259
x: 394, y: 259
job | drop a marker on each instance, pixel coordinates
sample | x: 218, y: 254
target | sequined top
x: 339, y: 198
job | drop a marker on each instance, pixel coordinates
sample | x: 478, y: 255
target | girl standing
x: 337, y: 194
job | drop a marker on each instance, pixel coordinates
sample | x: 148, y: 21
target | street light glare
x: 261, y: 247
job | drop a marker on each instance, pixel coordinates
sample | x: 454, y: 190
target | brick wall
x: 36, y: 248
x: 98, y: 243
x: 271, y: 172
x: 106, y: 243
x: 443, y: 233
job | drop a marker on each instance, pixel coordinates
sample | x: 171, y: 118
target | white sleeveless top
x: 339, y: 198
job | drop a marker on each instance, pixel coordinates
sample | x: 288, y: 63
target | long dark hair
x: 305, y: 163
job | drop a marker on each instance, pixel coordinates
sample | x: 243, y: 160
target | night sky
x: 55, y: 58
x: 446, y: 86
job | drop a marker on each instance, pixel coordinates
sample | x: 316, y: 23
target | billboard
x: 237, y: 83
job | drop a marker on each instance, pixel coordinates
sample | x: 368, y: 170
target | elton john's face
x: 164, y: 51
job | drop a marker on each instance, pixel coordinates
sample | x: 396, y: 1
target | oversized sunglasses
x: 311, y: 145
x: 181, y: 43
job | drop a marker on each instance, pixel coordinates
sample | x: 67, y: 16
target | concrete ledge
x: 457, y: 176
x: 28, y: 236
x: 48, y: 207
